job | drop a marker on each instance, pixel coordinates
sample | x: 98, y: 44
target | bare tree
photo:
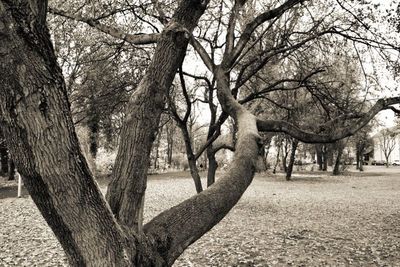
x: 387, y: 142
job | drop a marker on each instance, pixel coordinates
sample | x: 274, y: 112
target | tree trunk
x: 11, y: 169
x: 324, y: 158
x: 295, y: 143
x: 3, y: 158
x: 285, y: 153
x: 361, y: 162
x: 336, y: 169
x: 318, y: 150
x: 194, y: 172
x: 170, y: 145
x: 36, y: 121
x: 156, y: 149
x: 126, y: 191
x: 277, y: 158
x: 212, y: 166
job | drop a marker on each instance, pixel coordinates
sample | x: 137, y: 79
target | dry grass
x: 315, y: 220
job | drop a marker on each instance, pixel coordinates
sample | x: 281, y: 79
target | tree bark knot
x: 178, y: 32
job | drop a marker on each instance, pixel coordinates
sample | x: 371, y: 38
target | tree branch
x: 336, y: 134
x: 202, y: 53
x: 137, y: 39
x: 251, y: 26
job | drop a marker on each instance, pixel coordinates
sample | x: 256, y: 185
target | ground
x: 314, y: 220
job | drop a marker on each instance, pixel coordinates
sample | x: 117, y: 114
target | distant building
x: 378, y: 153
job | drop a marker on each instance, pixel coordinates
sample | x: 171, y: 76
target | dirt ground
x: 314, y: 220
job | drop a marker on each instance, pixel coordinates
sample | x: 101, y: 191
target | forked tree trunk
x: 295, y: 143
x: 36, y: 120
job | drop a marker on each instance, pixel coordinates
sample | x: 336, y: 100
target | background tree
x: 387, y: 142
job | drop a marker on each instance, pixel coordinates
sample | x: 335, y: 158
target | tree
x: 36, y: 120
x: 387, y: 142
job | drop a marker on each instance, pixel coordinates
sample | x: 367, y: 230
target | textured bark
x: 35, y: 119
x: 295, y: 143
x: 127, y: 188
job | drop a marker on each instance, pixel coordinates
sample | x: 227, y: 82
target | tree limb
x: 137, y: 39
x: 336, y: 134
x: 251, y: 26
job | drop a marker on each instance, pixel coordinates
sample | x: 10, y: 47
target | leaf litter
x: 311, y: 221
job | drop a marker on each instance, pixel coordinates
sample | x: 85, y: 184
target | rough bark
x: 35, y: 119
x: 127, y: 189
x: 295, y: 143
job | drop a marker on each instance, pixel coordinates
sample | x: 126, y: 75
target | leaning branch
x: 337, y: 134
x: 136, y: 39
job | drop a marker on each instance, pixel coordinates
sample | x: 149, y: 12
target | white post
x: 19, y: 184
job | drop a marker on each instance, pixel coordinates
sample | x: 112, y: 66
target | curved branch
x: 137, y: 39
x: 336, y: 134
x: 175, y: 229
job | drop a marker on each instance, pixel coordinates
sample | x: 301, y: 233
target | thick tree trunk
x: 295, y: 143
x: 127, y: 189
x: 36, y: 122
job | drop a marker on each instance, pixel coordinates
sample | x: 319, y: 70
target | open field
x: 315, y: 220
